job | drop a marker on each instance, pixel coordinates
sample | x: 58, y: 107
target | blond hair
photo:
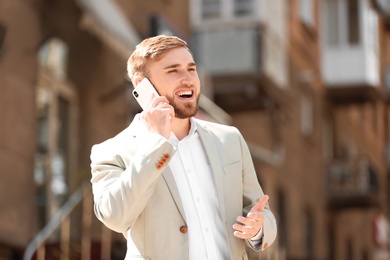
x: 151, y: 49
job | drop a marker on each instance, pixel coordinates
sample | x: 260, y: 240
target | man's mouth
x: 185, y: 93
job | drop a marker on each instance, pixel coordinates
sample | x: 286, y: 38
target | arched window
x: 53, y: 58
x: 56, y: 119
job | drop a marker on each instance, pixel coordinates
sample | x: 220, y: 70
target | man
x: 176, y: 186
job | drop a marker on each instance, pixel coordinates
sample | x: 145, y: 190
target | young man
x: 176, y: 186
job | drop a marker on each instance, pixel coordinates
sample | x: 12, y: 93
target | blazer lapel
x: 170, y: 181
x: 135, y: 129
x: 216, y: 168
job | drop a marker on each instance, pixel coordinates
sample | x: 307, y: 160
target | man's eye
x: 172, y: 71
x: 191, y: 69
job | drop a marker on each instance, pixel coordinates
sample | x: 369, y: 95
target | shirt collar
x: 193, y: 130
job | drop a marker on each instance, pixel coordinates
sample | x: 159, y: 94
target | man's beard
x: 184, y: 111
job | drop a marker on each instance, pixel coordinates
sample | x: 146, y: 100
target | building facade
x: 64, y: 88
x: 306, y: 82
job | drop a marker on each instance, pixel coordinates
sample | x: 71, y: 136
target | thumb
x: 260, y: 205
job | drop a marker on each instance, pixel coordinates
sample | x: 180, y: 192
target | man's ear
x: 137, y: 80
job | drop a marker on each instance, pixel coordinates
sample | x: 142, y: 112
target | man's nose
x: 187, y: 79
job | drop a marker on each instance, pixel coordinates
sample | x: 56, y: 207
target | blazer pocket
x: 233, y: 168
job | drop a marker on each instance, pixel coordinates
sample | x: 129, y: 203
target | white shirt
x: 193, y: 176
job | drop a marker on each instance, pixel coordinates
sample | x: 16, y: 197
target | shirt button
x: 183, y: 229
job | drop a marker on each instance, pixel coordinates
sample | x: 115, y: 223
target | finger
x: 159, y: 100
x: 259, y: 217
x: 166, y: 107
x: 244, y: 229
x: 252, y: 219
x: 260, y: 205
x: 245, y: 232
x: 241, y: 235
x: 171, y: 111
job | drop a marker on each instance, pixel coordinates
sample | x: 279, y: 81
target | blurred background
x: 307, y: 82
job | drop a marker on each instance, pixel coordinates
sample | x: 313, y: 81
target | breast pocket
x: 233, y: 168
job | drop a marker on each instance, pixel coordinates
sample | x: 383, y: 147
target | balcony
x: 229, y: 51
x: 351, y: 183
x: 232, y: 59
x: 350, y: 67
x: 350, y: 59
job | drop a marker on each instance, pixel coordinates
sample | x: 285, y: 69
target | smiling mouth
x: 185, y: 94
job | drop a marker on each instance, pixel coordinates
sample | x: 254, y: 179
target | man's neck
x: 180, y: 127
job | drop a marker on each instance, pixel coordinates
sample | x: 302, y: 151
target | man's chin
x: 186, y: 113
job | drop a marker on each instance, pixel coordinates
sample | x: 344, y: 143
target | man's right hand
x: 157, y: 117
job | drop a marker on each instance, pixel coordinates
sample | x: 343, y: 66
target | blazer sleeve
x: 124, y: 177
x: 252, y: 188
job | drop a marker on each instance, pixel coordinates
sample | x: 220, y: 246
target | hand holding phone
x: 144, y: 93
x: 158, y: 120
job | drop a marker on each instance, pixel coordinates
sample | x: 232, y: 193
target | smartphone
x: 144, y: 93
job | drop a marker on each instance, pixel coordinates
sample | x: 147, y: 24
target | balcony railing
x: 229, y: 50
x: 351, y: 66
x: 350, y: 52
x: 69, y: 234
x: 232, y: 58
x: 351, y: 181
x: 59, y: 239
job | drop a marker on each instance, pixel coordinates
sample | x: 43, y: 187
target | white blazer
x: 135, y: 192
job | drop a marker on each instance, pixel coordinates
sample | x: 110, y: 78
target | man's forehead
x: 176, y: 56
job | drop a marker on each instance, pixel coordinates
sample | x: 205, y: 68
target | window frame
x: 57, y: 88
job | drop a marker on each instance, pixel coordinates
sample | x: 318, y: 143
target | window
x: 328, y: 138
x: 53, y: 57
x: 332, y: 18
x: 227, y: 9
x: 56, y: 106
x: 342, y: 22
x: 353, y: 21
x: 243, y: 7
x: 211, y: 8
x: 306, y: 12
x: 307, y: 116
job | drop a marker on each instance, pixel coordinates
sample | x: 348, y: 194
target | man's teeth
x: 185, y: 93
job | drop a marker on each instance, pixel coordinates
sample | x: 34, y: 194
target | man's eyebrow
x: 191, y: 64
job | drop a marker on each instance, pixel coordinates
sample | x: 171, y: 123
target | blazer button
x: 183, y: 229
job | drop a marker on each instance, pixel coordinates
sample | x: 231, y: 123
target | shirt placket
x: 198, y: 201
